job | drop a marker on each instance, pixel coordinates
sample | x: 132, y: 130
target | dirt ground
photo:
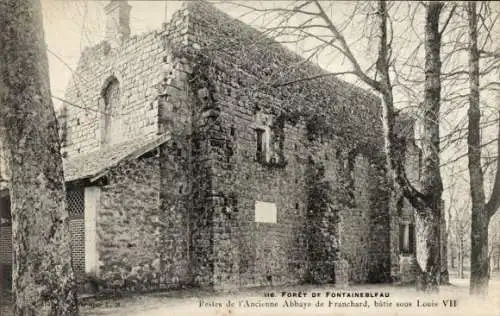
x: 193, y: 304
x: 252, y: 302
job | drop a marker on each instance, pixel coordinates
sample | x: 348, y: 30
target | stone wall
x: 144, y: 213
x: 154, y: 243
x: 379, y: 241
x: 270, y: 253
x: 364, y: 237
x: 231, y: 84
x: 175, y: 208
x: 246, y: 252
x: 185, y: 214
x: 136, y: 64
x: 134, y: 250
x: 176, y: 180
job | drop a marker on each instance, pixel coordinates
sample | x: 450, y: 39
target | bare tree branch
x: 450, y: 15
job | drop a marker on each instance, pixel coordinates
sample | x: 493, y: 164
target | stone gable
x: 136, y: 65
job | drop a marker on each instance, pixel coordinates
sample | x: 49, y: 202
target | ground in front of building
x: 188, y: 302
x: 250, y: 301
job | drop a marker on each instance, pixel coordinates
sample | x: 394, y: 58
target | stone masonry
x: 136, y: 65
x: 221, y: 172
x: 231, y: 100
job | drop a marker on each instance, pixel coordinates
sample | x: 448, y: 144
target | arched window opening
x: 111, y: 111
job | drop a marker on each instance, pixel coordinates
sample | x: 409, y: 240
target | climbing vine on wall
x: 323, y: 218
x: 233, y: 63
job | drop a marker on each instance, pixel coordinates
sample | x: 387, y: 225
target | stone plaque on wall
x: 265, y: 212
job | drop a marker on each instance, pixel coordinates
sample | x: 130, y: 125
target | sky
x: 72, y: 25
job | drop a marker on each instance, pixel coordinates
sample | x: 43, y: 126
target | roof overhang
x: 92, y: 166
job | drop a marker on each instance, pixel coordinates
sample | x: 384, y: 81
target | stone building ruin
x: 188, y: 167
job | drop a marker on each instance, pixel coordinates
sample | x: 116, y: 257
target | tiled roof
x: 94, y: 164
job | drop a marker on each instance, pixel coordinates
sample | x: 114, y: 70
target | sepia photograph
x: 234, y: 158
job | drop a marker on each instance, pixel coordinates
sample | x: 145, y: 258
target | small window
x: 270, y: 138
x: 406, y: 238
x: 5, y: 212
x: 75, y: 203
x: 261, y: 144
x: 265, y: 212
x: 412, y: 238
x: 110, y: 122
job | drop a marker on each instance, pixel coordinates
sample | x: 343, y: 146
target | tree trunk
x: 43, y: 279
x: 429, y: 210
x: 443, y: 240
x: 461, y: 260
x: 428, y: 252
x: 480, y: 217
x: 428, y: 201
x: 479, y: 267
x: 490, y: 266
